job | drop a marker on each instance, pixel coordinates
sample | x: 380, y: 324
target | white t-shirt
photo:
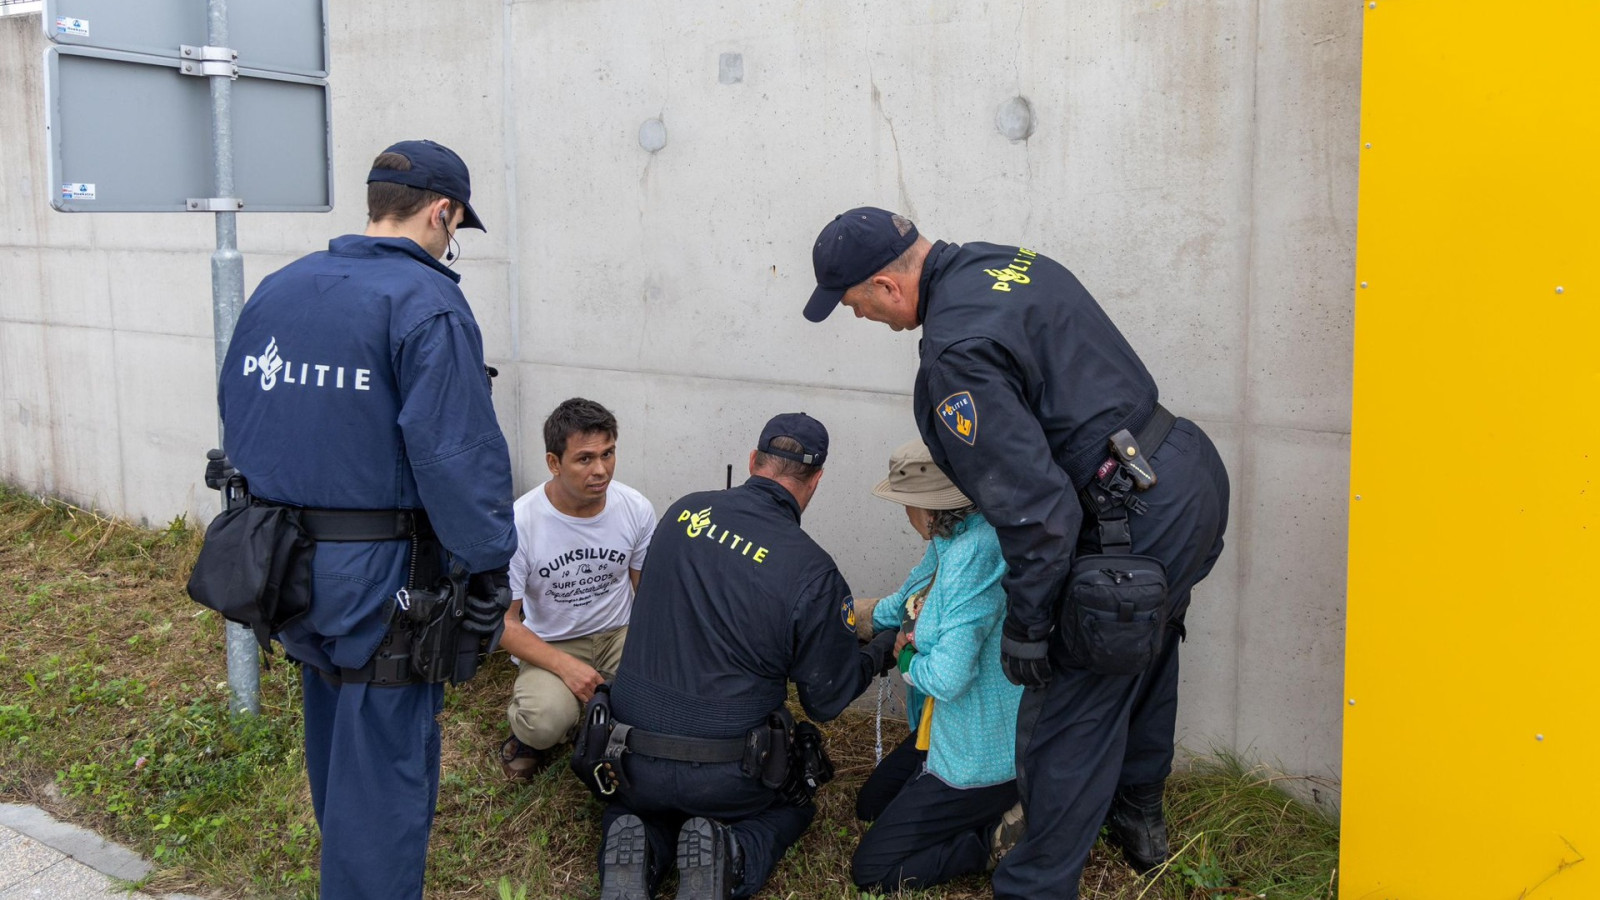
x: 571, y: 573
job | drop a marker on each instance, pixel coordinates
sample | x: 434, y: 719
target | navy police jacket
x: 1023, y: 379
x: 355, y: 380
x: 734, y: 602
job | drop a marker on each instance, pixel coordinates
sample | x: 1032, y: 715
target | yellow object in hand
x: 925, y: 724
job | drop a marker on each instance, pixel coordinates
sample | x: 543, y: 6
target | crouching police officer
x: 705, y: 764
x: 354, y: 396
x: 1109, y: 510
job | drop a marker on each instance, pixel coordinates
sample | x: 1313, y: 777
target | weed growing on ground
x: 113, y: 714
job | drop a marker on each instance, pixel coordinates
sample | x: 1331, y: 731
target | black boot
x: 1136, y: 824
x: 625, y: 861
x: 707, y: 860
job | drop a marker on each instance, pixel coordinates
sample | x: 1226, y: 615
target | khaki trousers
x: 543, y: 712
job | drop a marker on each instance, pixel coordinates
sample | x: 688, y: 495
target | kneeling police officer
x: 704, y: 762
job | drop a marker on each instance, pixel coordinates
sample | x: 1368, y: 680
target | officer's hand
x: 580, y: 678
x: 1026, y: 662
x: 488, y: 595
x: 881, y: 650
x: 218, y: 469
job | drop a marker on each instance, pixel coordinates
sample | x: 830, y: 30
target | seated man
x: 581, y: 541
x: 737, y: 602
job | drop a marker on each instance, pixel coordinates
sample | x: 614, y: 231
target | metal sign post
x: 122, y: 110
x: 227, y: 295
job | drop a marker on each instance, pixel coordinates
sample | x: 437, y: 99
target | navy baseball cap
x: 851, y: 249
x: 437, y: 168
x: 808, y: 432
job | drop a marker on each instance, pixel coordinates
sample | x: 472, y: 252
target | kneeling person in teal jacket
x: 942, y: 803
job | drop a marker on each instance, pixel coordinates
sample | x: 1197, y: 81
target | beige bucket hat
x: 915, y: 481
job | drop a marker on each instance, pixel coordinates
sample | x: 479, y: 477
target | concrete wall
x: 1193, y: 162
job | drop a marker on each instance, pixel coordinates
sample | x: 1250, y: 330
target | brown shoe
x: 522, y: 763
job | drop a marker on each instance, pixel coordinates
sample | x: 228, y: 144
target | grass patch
x: 113, y: 714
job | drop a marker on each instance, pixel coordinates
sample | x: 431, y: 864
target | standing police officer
x: 355, y: 389
x: 1023, y: 383
x: 735, y: 602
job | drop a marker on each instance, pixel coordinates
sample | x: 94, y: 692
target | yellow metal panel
x: 1472, y: 726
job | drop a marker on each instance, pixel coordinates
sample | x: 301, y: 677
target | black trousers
x: 664, y: 793
x: 924, y: 831
x: 1083, y: 734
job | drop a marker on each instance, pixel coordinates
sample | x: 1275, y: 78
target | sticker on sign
x: 69, y: 25
x: 77, y: 191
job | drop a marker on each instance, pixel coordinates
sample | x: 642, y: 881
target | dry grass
x: 113, y: 715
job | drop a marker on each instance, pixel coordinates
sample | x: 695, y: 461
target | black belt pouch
x: 774, y: 770
x: 255, y: 568
x: 589, y: 746
x: 1115, y: 613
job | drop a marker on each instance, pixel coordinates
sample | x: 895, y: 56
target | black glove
x: 809, y: 766
x: 881, y: 650
x: 488, y: 595
x: 1026, y: 662
x: 218, y: 469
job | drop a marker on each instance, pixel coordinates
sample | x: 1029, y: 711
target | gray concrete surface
x: 44, y: 859
x: 1193, y: 163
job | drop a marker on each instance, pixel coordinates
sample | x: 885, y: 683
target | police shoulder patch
x: 847, y: 613
x: 959, y: 413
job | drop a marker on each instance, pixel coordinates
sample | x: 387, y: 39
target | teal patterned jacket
x: 957, y: 663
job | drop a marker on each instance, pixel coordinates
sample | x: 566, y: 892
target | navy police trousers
x: 1082, y: 735
x: 372, y: 756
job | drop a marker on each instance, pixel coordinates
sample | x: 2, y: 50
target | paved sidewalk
x: 44, y: 859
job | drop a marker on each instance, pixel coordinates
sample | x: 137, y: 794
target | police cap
x: 437, y: 168
x: 851, y: 249
x: 801, y: 428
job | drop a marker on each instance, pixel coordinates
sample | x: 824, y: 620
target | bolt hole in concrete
x: 1014, y: 119
x: 653, y: 135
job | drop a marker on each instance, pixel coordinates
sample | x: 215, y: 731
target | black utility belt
x: 361, y: 524
x: 784, y: 756
x: 255, y: 565
x: 686, y: 749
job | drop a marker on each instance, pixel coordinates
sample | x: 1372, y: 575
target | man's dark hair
x: 576, y: 416
x: 387, y: 200
x: 778, y: 465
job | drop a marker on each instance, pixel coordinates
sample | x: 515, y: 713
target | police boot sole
x: 704, y: 870
x: 627, y: 861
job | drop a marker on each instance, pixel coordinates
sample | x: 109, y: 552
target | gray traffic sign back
x: 275, y: 35
x: 128, y: 133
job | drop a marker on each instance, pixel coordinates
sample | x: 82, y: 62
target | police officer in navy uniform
x: 735, y: 602
x: 1023, y: 380
x: 355, y: 380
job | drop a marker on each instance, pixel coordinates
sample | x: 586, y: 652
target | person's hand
x: 580, y: 678
x: 863, y: 611
x: 906, y: 637
x: 488, y: 595
x: 881, y: 650
x: 1025, y: 662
